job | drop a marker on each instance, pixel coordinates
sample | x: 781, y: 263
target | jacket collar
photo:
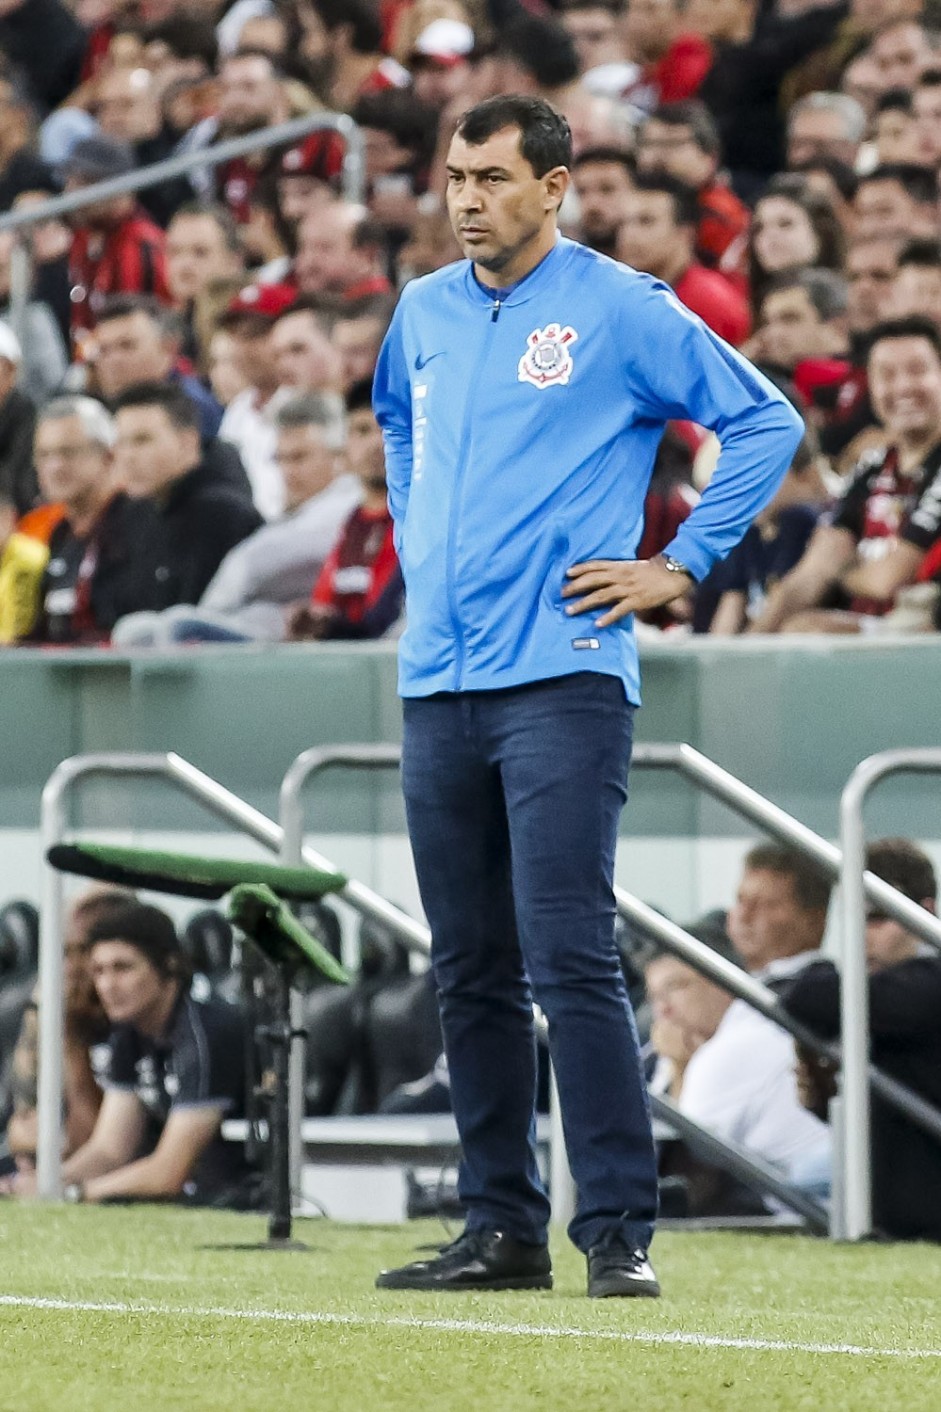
x: 529, y: 286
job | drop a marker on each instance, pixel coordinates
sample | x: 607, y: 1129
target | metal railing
x: 854, y: 1115
x: 353, y: 181
x: 54, y: 824
x: 705, y: 1144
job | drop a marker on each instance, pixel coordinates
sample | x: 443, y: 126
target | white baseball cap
x: 10, y: 345
x: 448, y: 41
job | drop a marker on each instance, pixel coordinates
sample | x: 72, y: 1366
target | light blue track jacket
x: 520, y: 438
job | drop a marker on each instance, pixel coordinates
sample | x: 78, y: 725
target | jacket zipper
x: 455, y: 499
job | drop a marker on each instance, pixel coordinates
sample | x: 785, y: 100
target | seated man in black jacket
x: 199, y: 517
x: 905, y: 1029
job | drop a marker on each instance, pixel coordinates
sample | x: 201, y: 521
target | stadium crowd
x: 186, y: 445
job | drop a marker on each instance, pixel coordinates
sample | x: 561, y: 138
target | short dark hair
x: 826, y: 289
x: 812, y: 887
x: 918, y: 182
x: 362, y: 15
x: 187, y: 37
x: 696, y: 116
x: 397, y: 111
x: 840, y: 173
x: 618, y: 156
x: 903, y: 865
x: 929, y: 78
x: 359, y: 395
x: 545, y: 136
x: 180, y: 409
x: 146, y: 928
x: 913, y: 326
x: 124, y: 306
x: 925, y: 253
x: 221, y: 216
x: 684, y: 197
x: 543, y: 47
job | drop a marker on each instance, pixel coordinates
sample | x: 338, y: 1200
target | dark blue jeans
x: 513, y: 799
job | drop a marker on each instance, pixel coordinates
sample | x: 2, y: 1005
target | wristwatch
x: 674, y: 565
x: 74, y: 1192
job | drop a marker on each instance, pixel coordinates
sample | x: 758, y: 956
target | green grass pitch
x: 126, y: 1308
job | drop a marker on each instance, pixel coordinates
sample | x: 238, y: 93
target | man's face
x: 385, y: 155
x: 249, y: 94
x: 686, y: 999
x: 767, y: 921
x: 440, y: 84
x: 650, y: 26
x: 596, y: 34
x: 128, y: 986
x: 497, y: 204
x: 327, y: 261
x: 70, y: 468
x: 126, y: 104
x: 791, y: 328
x: 899, y: 54
x: 302, y: 196
x: 896, y: 136
x: 649, y: 237
x: 151, y: 452
x: 870, y: 14
x: 128, y: 350
x: 303, y: 355
x: 818, y: 132
x: 887, y: 942
x: 602, y: 189
x: 672, y: 148
x: 870, y: 270
x: 905, y: 387
x: 716, y: 19
x: 927, y: 105
x: 916, y: 289
x: 365, y: 455
x: 197, y: 254
x: 306, y: 462
x: 884, y: 208
x: 357, y: 342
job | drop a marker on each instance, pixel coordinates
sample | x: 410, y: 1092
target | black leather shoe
x: 476, y: 1260
x: 616, y: 1270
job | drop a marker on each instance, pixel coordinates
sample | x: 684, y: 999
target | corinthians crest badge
x: 547, y: 361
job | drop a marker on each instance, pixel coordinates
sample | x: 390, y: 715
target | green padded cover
x: 189, y: 875
x: 277, y: 932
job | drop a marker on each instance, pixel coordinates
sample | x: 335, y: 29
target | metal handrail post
x: 744, y: 800
x: 853, y: 1114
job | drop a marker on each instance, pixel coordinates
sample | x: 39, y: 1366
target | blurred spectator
x: 247, y: 423
x: 682, y: 140
x: 430, y: 245
x: 779, y: 915
x: 85, y: 1033
x: 44, y: 44
x: 357, y: 341
x: 49, y: 243
x: 308, y: 176
x: 399, y: 133
x: 899, y: 50
x: 44, y: 360
x: 658, y: 234
x: 439, y: 62
x: 536, y: 56
x: 898, y: 201
x: 116, y: 249
x: 916, y: 288
x: 138, y: 340
x: 895, y: 135
x: 739, y: 585
x: 597, y: 29
x: 602, y: 177
x: 802, y: 329
x: 359, y: 592
x: 250, y: 592
x: 905, y: 1035
x: 176, y: 1068
x: 673, y: 57
x: 342, y: 46
x: 825, y: 125
x: 251, y: 97
x: 304, y: 358
x: 127, y: 106
x: 23, y: 557
x: 17, y: 420
x: 203, y: 247
x: 92, y: 576
x: 926, y: 105
x: 20, y: 167
x: 876, y: 539
x: 341, y: 256
x: 199, y: 518
x: 225, y: 375
x: 793, y: 227
x: 754, y: 48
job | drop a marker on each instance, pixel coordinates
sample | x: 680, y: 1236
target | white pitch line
x: 470, y: 1326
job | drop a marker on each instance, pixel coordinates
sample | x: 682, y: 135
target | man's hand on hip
x: 622, y: 586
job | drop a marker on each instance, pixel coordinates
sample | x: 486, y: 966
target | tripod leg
x: 279, y: 1224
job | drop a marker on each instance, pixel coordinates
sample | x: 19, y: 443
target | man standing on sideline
x: 522, y: 395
